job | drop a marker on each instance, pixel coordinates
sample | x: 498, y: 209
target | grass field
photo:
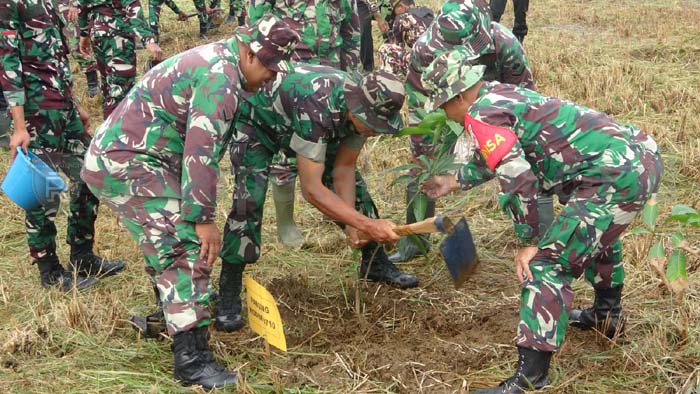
x: 637, y: 60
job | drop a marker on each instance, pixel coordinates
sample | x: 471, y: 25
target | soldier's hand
x: 181, y: 16
x: 353, y: 237
x: 210, y: 238
x: 21, y: 138
x: 522, y: 263
x: 73, y: 14
x: 155, y: 51
x: 382, y: 231
x: 439, y: 185
x: 85, y: 46
x: 85, y: 118
x: 383, y: 26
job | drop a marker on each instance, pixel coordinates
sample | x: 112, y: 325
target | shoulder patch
x: 494, y: 141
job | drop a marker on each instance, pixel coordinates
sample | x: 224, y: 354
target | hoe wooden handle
x: 426, y: 226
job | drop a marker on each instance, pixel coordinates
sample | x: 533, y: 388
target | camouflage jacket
x: 534, y: 144
x: 304, y: 114
x: 109, y: 18
x: 410, y: 25
x: 166, y: 138
x: 508, y: 63
x: 35, y: 71
x: 329, y: 29
x: 65, y: 4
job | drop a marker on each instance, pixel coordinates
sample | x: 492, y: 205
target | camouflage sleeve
x: 396, y: 32
x: 173, y: 6
x: 134, y: 14
x: 10, y: 60
x: 518, y: 198
x: 516, y: 66
x: 258, y: 8
x: 83, y: 18
x: 206, y: 126
x: 372, y: 5
x: 473, y: 173
x: 350, y: 34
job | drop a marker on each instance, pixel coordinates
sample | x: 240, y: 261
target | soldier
x: 69, y: 10
x: 322, y: 117
x: 369, y: 10
x: 461, y: 23
x: 110, y: 27
x: 603, y: 171
x: 154, y: 7
x: 236, y: 10
x: 330, y: 35
x: 156, y: 164
x: 35, y: 76
x: 410, y: 22
x: 519, y: 10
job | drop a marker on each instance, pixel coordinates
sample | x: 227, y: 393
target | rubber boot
x: 52, y: 273
x: 406, y: 248
x: 228, y: 313
x: 88, y: 263
x: 376, y: 267
x: 287, y: 231
x: 531, y: 374
x: 93, y: 84
x: 194, y: 361
x: 605, y: 315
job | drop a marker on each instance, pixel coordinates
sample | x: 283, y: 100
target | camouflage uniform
x: 603, y: 171
x: 156, y: 162
x: 72, y: 34
x: 154, y: 7
x: 36, y: 75
x: 112, y: 26
x: 236, y: 9
x: 305, y: 114
x: 4, y: 123
x: 407, y: 27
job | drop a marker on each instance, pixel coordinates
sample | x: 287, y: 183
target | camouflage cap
x: 272, y: 41
x: 376, y: 99
x: 450, y: 74
x: 466, y: 27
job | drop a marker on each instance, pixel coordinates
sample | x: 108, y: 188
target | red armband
x: 494, y: 141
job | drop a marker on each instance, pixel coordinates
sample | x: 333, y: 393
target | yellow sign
x: 263, y: 316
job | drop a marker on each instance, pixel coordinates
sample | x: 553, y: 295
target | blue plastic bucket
x: 30, y: 182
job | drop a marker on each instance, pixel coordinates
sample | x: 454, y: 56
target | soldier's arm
x: 474, y: 173
x: 258, y: 8
x: 209, y: 118
x: 350, y: 35
x: 516, y: 65
x: 134, y: 13
x: 83, y: 18
x: 173, y: 6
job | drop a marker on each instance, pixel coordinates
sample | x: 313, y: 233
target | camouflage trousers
x: 200, y: 6
x: 154, y: 7
x: 72, y: 33
x: 236, y: 7
x: 60, y: 140
x: 116, y: 60
x: 4, y: 129
x: 584, y: 238
x: 394, y: 59
x: 171, y: 249
x: 251, y: 162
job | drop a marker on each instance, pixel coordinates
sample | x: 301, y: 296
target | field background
x: 637, y: 60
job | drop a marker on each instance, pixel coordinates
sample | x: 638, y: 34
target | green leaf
x: 657, y: 251
x: 676, y: 266
x: 684, y: 214
x: 420, y: 205
x: 455, y: 127
x: 402, y: 179
x: 434, y: 120
x: 639, y: 230
x: 650, y: 213
x: 407, y: 167
x: 414, y: 130
x: 677, y: 238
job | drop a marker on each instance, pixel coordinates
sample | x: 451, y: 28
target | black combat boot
x: 53, y: 274
x: 194, y: 361
x: 93, y: 84
x: 228, y: 308
x: 406, y: 247
x: 605, y: 315
x: 203, y: 29
x: 377, y: 267
x: 531, y: 374
x: 87, y: 263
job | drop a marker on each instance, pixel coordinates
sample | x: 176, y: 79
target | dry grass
x: 629, y: 58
